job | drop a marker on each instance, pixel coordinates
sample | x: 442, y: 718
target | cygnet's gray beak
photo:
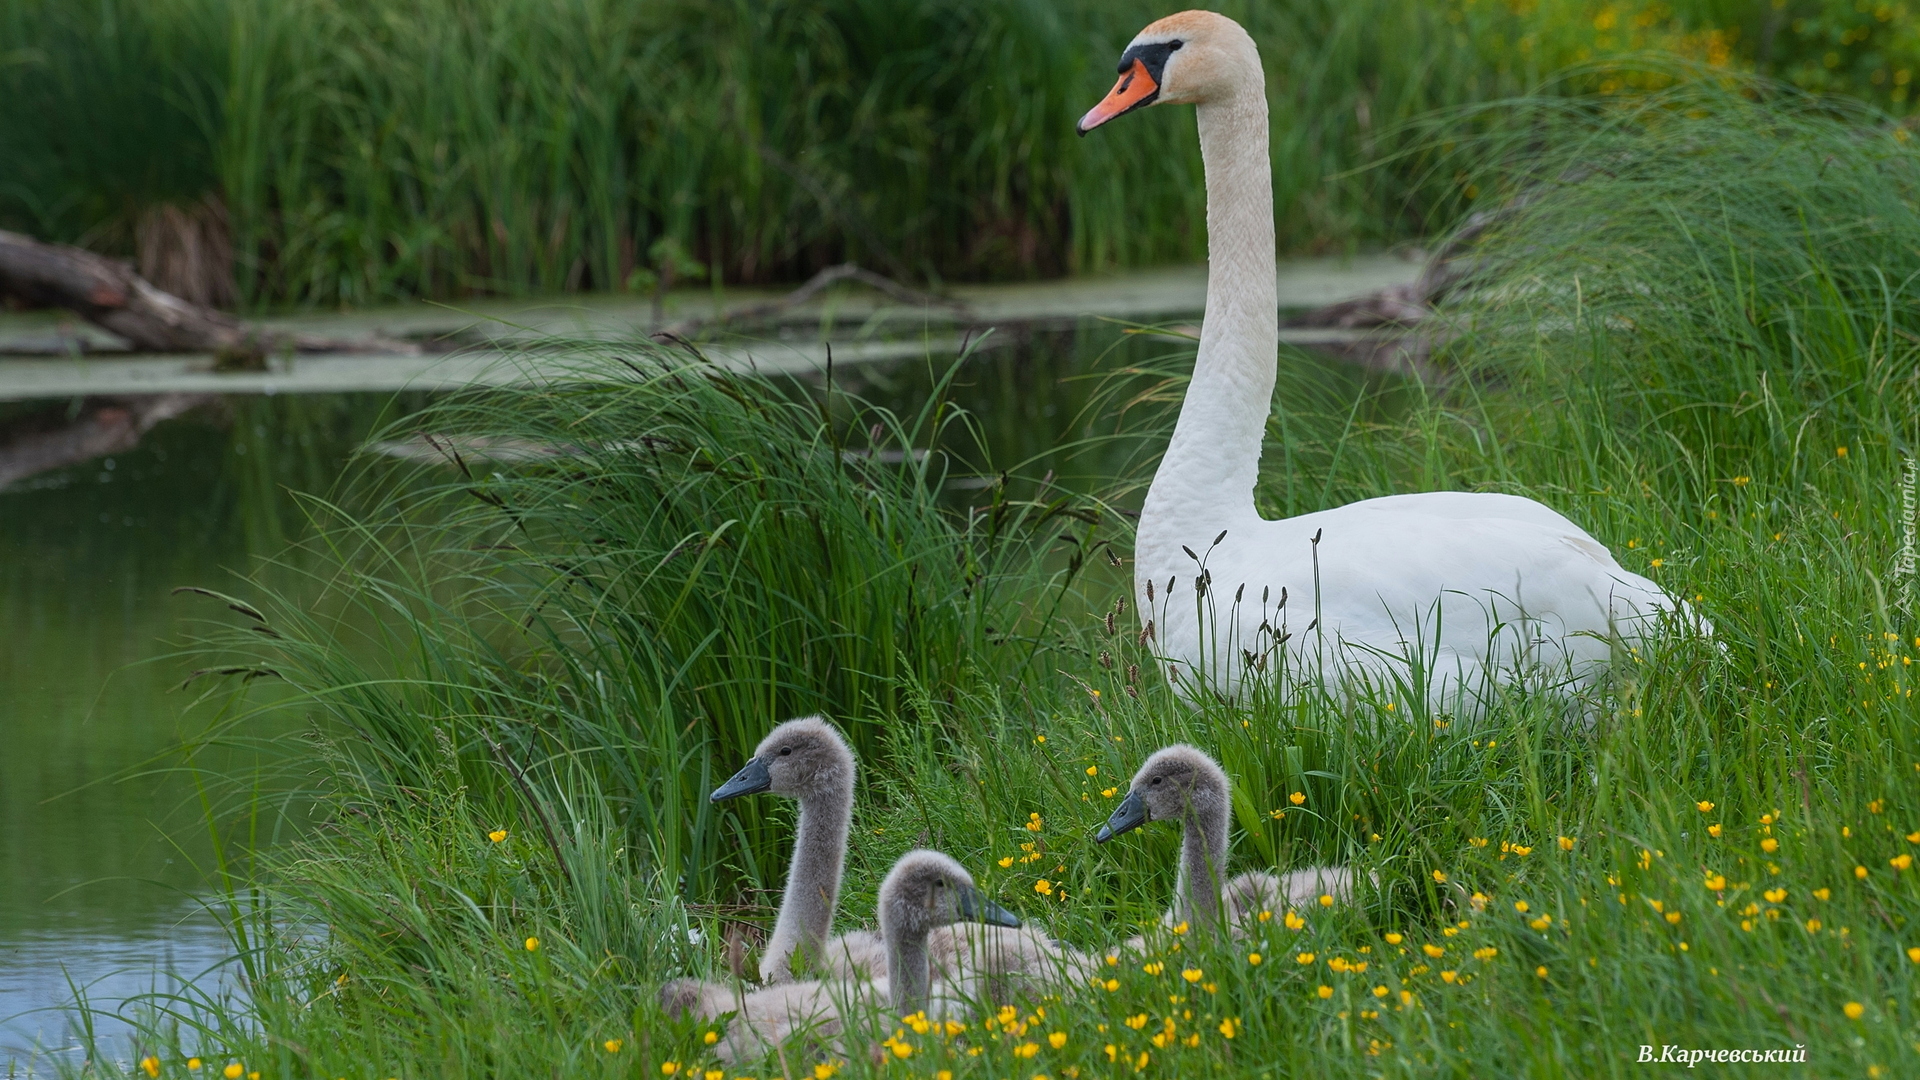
x: 1128, y: 816
x: 978, y: 908
x: 750, y: 780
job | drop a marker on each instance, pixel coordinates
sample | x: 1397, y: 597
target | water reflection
x: 41, y: 970
x: 101, y: 841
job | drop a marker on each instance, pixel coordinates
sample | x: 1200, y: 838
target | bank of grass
x: 1700, y: 343
x: 368, y: 150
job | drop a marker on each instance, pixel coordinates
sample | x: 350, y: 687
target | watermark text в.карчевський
x: 1680, y: 1055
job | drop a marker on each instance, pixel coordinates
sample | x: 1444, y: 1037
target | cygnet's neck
x: 813, y: 884
x: 909, y: 968
x: 1203, y: 862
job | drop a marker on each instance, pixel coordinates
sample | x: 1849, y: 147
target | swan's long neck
x: 813, y: 886
x: 909, y: 970
x: 1203, y: 864
x: 1205, y: 481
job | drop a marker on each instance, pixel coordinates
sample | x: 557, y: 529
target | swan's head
x: 1176, y: 781
x: 1192, y: 58
x: 799, y: 759
x: 926, y: 889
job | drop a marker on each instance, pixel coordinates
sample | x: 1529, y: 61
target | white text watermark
x: 1903, y: 568
x: 1680, y: 1055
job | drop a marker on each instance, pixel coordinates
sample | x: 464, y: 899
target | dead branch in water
x: 1406, y: 317
x: 108, y: 293
x: 40, y: 443
x: 812, y: 288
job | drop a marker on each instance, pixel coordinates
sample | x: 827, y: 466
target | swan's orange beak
x: 1136, y: 88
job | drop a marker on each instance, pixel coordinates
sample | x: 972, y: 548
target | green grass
x: 1708, y: 302
x: 368, y: 150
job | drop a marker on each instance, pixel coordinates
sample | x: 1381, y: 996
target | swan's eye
x: 785, y: 750
x: 1174, y: 45
x: 1156, y: 781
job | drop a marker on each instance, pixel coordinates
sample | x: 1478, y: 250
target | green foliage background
x: 367, y: 150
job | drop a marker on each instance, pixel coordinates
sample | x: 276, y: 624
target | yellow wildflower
x: 497, y: 835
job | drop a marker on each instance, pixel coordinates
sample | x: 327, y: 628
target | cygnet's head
x: 1175, y: 780
x: 926, y: 889
x: 1191, y: 58
x: 799, y: 759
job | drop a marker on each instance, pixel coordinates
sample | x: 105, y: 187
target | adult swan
x: 1429, y: 597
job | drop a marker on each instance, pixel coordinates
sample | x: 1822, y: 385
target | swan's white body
x: 1435, y: 592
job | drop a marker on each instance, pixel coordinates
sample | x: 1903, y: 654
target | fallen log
x: 811, y: 288
x: 108, y: 293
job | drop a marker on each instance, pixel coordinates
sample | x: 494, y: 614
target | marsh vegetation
x: 517, y: 682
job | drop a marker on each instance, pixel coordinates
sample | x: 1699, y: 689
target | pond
x: 103, y: 844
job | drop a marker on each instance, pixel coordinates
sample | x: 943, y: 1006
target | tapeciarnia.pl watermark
x: 1680, y: 1055
x: 1903, y: 567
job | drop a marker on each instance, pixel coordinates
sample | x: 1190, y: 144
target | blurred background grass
x: 342, y: 152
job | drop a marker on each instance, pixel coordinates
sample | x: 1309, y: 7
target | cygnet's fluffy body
x: 924, y: 891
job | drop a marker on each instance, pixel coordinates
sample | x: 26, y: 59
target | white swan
x: 924, y: 891
x: 1183, y: 783
x: 1436, y: 592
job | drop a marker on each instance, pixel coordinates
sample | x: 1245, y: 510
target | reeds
x: 366, y: 150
